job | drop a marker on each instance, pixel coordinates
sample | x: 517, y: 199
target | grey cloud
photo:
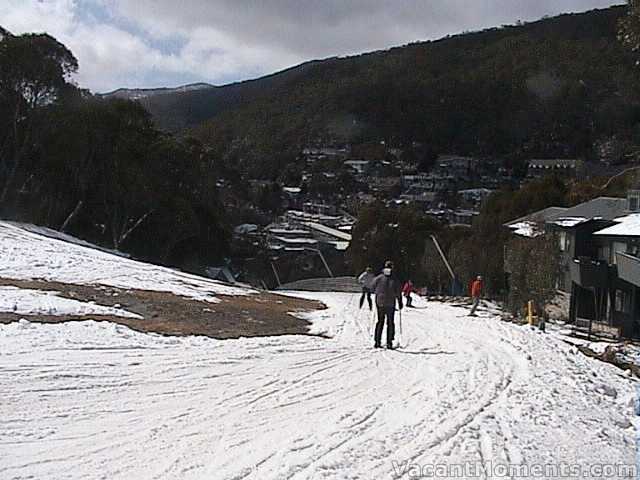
x: 311, y: 28
x: 143, y: 43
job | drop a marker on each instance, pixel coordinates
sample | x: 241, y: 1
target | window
x: 623, y: 301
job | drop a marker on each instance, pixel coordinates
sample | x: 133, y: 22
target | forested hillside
x: 556, y: 87
x: 108, y: 171
x: 98, y: 168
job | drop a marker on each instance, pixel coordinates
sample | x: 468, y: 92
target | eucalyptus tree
x: 34, y: 73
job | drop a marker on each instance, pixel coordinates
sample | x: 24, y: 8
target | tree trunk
x: 72, y: 215
x: 19, y: 151
x: 128, y: 232
x: 119, y: 235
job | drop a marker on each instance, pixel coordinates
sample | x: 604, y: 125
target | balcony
x: 628, y: 268
x: 589, y: 274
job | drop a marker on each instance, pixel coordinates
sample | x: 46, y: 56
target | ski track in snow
x: 93, y: 400
x: 26, y: 254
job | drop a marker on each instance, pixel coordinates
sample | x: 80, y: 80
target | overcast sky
x: 150, y: 43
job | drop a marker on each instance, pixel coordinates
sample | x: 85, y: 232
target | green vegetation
x: 105, y: 170
x: 399, y: 235
x: 535, y: 267
x: 98, y: 168
x: 403, y: 235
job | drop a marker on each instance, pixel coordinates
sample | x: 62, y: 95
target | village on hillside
x: 598, y: 241
x: 311, y: 214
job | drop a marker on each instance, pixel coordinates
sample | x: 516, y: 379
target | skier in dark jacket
x: 387, y: 291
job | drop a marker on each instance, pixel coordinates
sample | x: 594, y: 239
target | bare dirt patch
x: 262, y: 314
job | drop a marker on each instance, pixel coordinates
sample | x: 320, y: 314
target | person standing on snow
x: 387, y: 291
x: 407, y: 290
x: 476, y: 293
x: 365, y: 279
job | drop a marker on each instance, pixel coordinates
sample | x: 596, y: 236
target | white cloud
x: 110, y: 56
x: 20, y: 15
x: 156, y: 42
x: 312, y: 28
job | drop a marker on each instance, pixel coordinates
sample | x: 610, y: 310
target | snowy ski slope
x: 27, y: 254
x: 89, y: 400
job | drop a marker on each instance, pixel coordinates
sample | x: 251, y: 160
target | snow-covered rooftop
x: 569, y: 222
x: 526, y: 229
x: 329, y: 231
x: 625, y: 226
x: 340, y: 245
x: 304, y: 240
x: 601, y: 208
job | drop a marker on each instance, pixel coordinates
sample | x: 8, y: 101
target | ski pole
x: 400, y: 327
x: 372, y: 323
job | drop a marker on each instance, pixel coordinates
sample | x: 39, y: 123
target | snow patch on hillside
x: 26, y: 254
x: 36, y: 302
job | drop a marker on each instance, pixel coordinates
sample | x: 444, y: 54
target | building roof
x: 286, y: 240
x: 220, y: 273
x: 455, y: 158
x: 540, y: 216
x: 472, y: 191
x: 601, y: 208
x: 340, y: 245
x: 245, y: 228
x: 554, y: 163
x: 288, y: 231
x: 357, y: 162
x: 628, y: 226
x: 526, y: 229
x: 329, y: 231
x: 569, y: 222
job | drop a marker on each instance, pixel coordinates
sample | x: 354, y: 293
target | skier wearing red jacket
x: 407, y: 290
x: 476, y: 293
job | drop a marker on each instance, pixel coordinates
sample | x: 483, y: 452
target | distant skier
x: 407, y: 290
x: 365, y: 279
x: 476, y: 293
x: 387, y: 291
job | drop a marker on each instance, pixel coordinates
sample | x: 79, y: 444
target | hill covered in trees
x: 98, y: 168
x: 556, y: 87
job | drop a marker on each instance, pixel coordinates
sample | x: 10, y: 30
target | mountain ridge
x: 556, y: 87
x: 138, y: 93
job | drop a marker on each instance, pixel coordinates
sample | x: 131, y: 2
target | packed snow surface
x: 87, y: 400
x: 27, y: 254
x: 35, y: 302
